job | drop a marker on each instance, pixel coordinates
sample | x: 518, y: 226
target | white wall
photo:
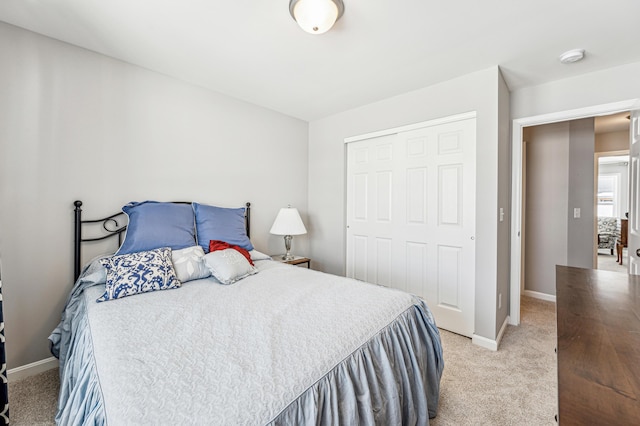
x: 78, y: 125
x: 596, y: 88
x: 474, y: 92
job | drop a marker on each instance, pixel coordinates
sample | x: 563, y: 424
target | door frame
x: 517, y: 249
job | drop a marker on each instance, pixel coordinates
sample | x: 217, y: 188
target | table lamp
x: 288, y: 223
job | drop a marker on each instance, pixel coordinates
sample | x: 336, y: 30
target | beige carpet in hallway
x: 513, y: 386
x: 517, y: 385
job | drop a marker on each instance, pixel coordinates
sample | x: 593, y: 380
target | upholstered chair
x: 607, y: 233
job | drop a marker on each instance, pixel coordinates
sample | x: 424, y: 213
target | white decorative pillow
x: 257, y: 255
x: 189, y: 264
x: 228, y: 265
x: 141, y: 272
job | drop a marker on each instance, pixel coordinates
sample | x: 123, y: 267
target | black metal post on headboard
x: 248, y: 219
x: 77, y: 239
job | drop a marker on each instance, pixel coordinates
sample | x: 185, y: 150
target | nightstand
x: 297, y: 260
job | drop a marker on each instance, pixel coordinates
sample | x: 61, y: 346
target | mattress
x: 287, y: 345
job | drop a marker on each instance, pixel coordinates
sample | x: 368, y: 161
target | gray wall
x: 580, y: 231
x: 546, y: 204
x: 78, y: 125
x: 474, y: 92
x: 504, y: 202
x: 559, y: 177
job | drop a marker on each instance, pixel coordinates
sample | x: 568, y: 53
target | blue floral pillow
x: 134, y: 273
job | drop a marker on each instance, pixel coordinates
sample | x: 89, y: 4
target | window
x: 608, y: 195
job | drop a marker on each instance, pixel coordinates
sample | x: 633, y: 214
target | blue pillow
x: 153, y: 225
x: 136, y: 273
x: 222, y: 224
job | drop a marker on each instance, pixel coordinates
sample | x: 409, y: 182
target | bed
x: 216, y: 340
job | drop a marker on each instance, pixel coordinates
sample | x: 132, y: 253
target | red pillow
x: 215, y: 245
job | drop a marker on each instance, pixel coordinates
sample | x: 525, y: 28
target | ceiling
x: 254, y: 51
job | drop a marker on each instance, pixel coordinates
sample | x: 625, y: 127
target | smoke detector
x: 572, y: 56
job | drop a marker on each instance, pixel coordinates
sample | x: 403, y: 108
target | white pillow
x: 189, y: 264
x: 256, y: 255
x: 228, y: 265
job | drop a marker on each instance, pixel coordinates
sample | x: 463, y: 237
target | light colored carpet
x: 516, y: 385
x: 609, y: 262
x: 33, y: 401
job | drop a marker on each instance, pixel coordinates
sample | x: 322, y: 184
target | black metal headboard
x: 112, y: 226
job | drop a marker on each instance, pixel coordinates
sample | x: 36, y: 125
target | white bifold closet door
x: 411, y: 217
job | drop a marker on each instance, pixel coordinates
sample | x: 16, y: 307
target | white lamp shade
x: 288, y: 222
x: 316, y: 16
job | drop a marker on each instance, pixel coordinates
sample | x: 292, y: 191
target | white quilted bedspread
x: 230, y: 355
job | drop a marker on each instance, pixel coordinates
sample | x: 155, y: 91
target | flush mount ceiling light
x: 316, y: 16
x: 572, y: 56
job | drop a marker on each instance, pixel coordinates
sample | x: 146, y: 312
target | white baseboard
x: 488, y: 343
x: 502, y: 330
x: 538, y: 295
x: 32, y: 369
x: 484, y: 342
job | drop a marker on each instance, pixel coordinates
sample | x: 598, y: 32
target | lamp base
x: 287, y: 245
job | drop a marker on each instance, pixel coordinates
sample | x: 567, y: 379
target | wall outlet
x: 500, y: 301
x: 576, y: 213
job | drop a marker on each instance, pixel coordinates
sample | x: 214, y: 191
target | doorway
x: 517, y: 250
x: 612, y: 206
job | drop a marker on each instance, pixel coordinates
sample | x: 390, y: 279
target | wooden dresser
x: 598, y: 317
